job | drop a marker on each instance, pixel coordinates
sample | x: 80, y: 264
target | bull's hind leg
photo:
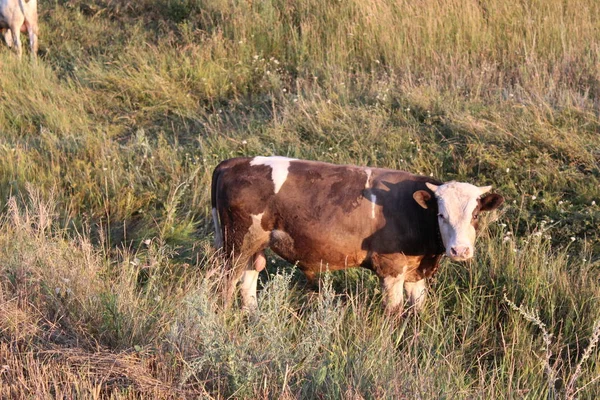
x: 8, y: 38
x: 244, y: 242
x: 249, y: 281
x: 16, y: 36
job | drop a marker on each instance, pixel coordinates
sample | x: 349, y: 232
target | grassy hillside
x: 107, y: 280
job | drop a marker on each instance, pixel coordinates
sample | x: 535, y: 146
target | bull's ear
x: 491, y: 202
x: 422, y: 197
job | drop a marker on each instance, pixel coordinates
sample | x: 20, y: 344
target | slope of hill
x: 107, y: 280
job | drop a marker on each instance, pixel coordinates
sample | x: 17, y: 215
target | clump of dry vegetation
x: 108, y: 283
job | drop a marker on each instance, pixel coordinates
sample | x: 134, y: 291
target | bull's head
x: 459, y: 205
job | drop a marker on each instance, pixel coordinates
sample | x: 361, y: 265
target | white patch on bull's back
x: 279, y: 168
x: 456, y: 203
x: 372, y: 196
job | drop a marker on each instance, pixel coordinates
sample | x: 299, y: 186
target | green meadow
x: 109, y: 285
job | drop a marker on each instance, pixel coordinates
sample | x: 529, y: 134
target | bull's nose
x: 462, y: 252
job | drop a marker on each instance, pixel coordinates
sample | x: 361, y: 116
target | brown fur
x: 328, y: 216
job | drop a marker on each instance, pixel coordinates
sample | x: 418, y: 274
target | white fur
x: 456, y: 203
x: 417, y: 293
x: 279, y: 168
x: 248, y: 289
x: 373, y: 200
x: 393, y: 288
x: 368, y: 182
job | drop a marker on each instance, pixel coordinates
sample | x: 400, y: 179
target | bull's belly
x: 313, y: 252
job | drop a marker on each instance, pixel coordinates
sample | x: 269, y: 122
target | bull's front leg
x: 417, y: 293
x: 393, y: 294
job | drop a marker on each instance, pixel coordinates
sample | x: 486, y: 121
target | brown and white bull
x: 18, y: 16
x: 325, y: 216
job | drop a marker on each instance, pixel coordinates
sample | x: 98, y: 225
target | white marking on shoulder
x: 373, y: 200
x: 279, y: 168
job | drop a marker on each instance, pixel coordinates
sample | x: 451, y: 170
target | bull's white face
x: 459, y: 205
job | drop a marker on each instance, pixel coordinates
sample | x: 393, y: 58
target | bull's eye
x: 441, y: 216
x: 475, y: 216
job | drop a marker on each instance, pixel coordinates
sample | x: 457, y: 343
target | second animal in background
x: 18, y: 16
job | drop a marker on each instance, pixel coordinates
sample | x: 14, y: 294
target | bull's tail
x: 215, y: 208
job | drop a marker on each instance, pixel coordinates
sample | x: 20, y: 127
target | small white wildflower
x: 573, y: 238
x: 593, y: 202
x: 57, y: 290
x: 284, y: 90
x: 329, y: 149
x: 560, y: 202
x: 585, y: 259
x: 507, y: 170
x: 244, y: 142
x: 431, y: 174
x: 147, y: 242
x: 273, y: 261
x: 503, y: 225
x: 533, y: 197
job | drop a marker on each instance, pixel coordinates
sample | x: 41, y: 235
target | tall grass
x: 87, y: 322
x: 108, y: 285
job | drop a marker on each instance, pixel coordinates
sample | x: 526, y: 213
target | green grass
x: 108, y: 284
